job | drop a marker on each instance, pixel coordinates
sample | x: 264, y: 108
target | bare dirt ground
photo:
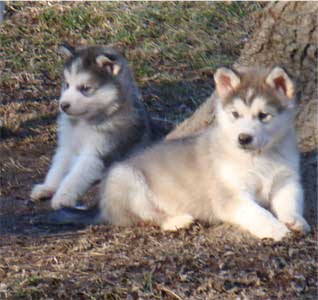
x: 41, y: 261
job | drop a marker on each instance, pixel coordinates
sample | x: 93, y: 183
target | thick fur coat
x: 102, y: 119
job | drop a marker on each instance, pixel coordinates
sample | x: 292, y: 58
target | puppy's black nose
x: 65, y: 106
x: 245, y: 139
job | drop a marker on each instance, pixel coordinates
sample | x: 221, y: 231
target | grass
x: 168, y: 41
x: 173, y: 48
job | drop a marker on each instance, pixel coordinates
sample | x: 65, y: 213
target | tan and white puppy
x: 244, y: 171
x: 102, y: 119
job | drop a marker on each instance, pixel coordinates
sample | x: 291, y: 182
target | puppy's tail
x: 76, y: 216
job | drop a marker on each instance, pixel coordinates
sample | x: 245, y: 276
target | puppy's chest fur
x: 81, y: 136
x: 260, y: 175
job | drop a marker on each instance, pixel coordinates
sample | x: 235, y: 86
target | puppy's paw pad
x: 40, y: 191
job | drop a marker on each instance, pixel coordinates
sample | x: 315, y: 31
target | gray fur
x: 100, y: 126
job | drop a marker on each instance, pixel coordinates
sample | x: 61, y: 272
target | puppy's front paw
x: 279, y: 231
x: 61, y: 200
x: 274, y: 230
x: 297, y: 223
x: 41, y: 191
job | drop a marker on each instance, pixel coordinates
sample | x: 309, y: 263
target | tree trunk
x: 285, y: 34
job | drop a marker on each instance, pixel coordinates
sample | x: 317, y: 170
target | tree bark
x: 286, y: 35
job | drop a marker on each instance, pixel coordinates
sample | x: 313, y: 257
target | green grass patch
x: 173, y: 47
x: 163, y: 41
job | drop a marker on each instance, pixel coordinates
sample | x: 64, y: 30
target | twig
x: 168, y: 291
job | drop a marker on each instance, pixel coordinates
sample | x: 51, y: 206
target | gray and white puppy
x: 101, y: 120
x: 244, y: 171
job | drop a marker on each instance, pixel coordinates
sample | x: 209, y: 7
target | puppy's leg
x: 61, y: 162
x: 287, y: 204
x: 126, y: 197
x: 86, y: 170
x: 245, y: 212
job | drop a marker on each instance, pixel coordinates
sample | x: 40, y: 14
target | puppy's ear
x: 108, y: 63
x: 280, y: 81
x: 66, y: 50
x: 226, y: 81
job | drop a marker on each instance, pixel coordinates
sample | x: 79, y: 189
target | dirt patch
x: 106, y: 262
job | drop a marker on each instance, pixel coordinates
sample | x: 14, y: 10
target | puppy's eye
x: 235, y: 114
x: 66, y: 85
x: 85, y: 89
x: 264, y: 117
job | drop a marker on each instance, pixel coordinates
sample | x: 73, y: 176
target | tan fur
x: 257, y: 78
x: 171, y: 171
x: 209, y: 178
x: 204, y: 116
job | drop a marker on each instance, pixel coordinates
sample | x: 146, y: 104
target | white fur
x: 249, y: 94
x: 85, y: 106
x: 76, y: 164
x: 248, y: 123
x: 257, y: 220
x: 287, y: 204
x: 209, y: 177
x: 101, y: 121
x: 267, y: 175
x: 259, y: 181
